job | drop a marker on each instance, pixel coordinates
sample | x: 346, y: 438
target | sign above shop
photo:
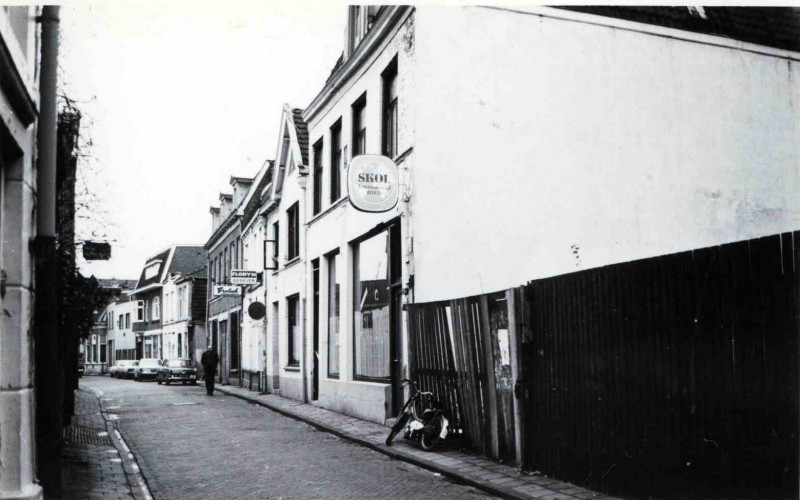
x: 241, y: 277
x: 234, y: 290
x: 373, y: 183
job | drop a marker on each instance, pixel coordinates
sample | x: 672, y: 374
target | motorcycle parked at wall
x: 422, y: 418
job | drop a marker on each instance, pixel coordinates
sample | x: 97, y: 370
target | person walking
x: 209, y: 360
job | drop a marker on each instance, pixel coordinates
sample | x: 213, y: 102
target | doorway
x: 315, y: 333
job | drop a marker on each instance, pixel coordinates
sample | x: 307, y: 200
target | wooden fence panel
x: 668, y: 375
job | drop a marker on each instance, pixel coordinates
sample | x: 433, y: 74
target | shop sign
x: 241, y: 277
x: 233, y: 290
x: 373, y: 183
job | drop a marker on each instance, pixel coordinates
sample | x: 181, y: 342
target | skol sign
x: 373, y: 183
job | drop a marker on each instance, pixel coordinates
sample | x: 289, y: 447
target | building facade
x: 20, y: 95
x: 358, y: 263
x: 158, y: 270
x: 184, y: 323
x: 224, y: 254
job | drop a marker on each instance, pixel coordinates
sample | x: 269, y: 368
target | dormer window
x: 151, y: 271
x: 362, y: 18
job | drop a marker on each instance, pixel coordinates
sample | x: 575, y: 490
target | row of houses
x: 531, y: 144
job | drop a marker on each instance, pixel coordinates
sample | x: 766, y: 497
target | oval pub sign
x: 373, y: 183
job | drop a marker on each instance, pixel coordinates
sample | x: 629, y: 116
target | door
x: 315, y: 334
x: 396, y: 318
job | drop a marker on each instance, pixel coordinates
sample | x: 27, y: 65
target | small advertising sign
x: 241, y: 277
x: 234, y: 290
x: 373, y: 183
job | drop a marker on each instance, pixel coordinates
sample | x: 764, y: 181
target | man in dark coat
x: 209, y: 360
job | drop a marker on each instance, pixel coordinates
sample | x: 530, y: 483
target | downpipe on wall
x: 48, y: 376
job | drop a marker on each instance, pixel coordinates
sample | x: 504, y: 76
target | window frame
x: 389, y: 111
x: 292, y: 311
x: 359, y: 126
x: 317, y: 172
x: 293, y: 232
x: 336, y: 147
x: 355, y: 248
x: 331, y: 265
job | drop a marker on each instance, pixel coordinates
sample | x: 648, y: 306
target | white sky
x: 177, y: 97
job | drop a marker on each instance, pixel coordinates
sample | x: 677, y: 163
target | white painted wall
x: 535, y: 134
x: 123, y: 338
x: 338, y: 224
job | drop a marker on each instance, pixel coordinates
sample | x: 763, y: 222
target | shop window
x: 371, y: 325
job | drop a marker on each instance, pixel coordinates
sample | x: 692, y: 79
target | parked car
x: 177, y: 370
x: 146, y: 369
x: 123, y: 368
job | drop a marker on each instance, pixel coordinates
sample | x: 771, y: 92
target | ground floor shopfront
x: 224, y: 329
x: 350, y: 322
x: 149, y: 344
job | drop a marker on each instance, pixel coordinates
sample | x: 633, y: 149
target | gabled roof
x: 777, y: 27
x: 177, y: 259
x: 187, y: 259
x: 156, y: 278
x: 302, y: 133
x: 292, y: 124
x: 253, y: 200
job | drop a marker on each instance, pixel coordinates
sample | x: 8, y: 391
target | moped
x: 422, y: 418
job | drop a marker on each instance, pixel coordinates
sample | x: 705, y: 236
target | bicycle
x: 430, y: 428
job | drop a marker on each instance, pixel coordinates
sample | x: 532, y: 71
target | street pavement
x: 189, y: 445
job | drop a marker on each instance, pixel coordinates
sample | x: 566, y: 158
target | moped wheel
x: 432, y: 433
x: 397, y: 427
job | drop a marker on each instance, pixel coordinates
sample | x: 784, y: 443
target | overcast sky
x: 177, y: 97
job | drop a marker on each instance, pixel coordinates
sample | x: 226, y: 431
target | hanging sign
x: 234, y: 290
x: 240, y: 277
x: 373, y: 183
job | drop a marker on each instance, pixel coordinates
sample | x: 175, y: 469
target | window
x: 127, y: 320
x: 336, y: 160
x: 276, y: 248
x: 139, y: 310
x: 390, y: 110
x: 102, y: 353
x: 156, y: 313
x: 293, y: 232
x: 371, y: 320
x: 334, y: 288
x: 226, y: 273
x: 360, y: 126
x: 121, y: 321
x: 361, y: 20
x: 318, y: 177
x: 293, y: 330
x: 180, y: 345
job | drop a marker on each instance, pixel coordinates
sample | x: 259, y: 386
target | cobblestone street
x: 189, y: 445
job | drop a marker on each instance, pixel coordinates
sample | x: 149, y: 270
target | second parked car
x: 177, y: 370
x: 123, y: 368
x: 147, y: 369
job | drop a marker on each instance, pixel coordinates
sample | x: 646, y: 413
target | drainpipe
x: 49, y: 377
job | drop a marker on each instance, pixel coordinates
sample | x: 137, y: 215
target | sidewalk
x: 474, y: 470
x: 96, y: 463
